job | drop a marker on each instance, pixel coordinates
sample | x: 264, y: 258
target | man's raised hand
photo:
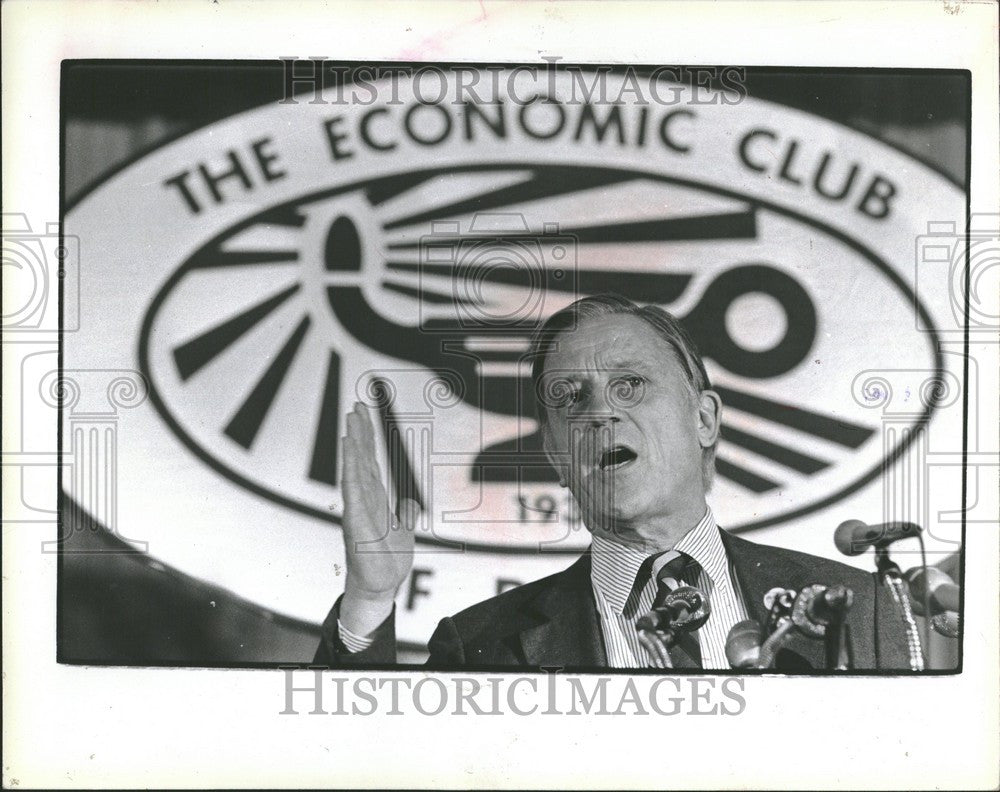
x: 378, y: 543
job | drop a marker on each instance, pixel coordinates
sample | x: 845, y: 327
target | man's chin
x: 618, y: 532
x: 623, y: 512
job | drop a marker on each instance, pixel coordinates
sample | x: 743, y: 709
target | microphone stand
x: 775, y: 642
x: 837, y: 644
x: 884, y: 564
x: 821, y: 612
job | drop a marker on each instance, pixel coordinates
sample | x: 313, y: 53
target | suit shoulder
x: 821, y: 570
x: 829, y: 566
x: 506, y: 611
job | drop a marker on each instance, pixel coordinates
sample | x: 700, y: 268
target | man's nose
x: 598, y: 420
x: 596, y: 409
x: 592, y: 431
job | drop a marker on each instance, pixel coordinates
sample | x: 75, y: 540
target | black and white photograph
x: 446, y: 383
x: 485, y: 349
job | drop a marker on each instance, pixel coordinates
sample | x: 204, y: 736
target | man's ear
x: 709, y: 417
x: 560, y: 468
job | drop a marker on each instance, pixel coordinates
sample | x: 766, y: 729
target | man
x: 629, y: 421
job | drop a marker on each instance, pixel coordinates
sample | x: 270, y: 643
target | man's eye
x: 632, y: 381
x: 626, y: 391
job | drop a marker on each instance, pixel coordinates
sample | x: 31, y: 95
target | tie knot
x: 680, y: 568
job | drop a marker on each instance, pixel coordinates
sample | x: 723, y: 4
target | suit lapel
x: 757, y: 572
x: 567, y: 632
x: 760, y: 568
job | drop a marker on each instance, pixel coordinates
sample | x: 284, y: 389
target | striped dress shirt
x: 622, y: 598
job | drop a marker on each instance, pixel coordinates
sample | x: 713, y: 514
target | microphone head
x: 782, y: 596
x: 947, y: 624
x: 838, y: 598
x: 743, y: 644
x: 685, y: 609
x: 846, y: 537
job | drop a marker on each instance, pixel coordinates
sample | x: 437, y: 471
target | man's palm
x: 379, y: 546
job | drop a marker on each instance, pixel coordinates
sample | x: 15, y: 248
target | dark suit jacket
x: 554, y: 621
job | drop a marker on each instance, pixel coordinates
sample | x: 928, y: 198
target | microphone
x: 853, y: 537
x: 940, y: 590
x: 830, y: 605
x: 685, y: 609
x: 743, y: 644
x: 818, y: 607
x: 947, y: 624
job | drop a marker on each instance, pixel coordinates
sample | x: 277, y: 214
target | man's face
x: 629, y: 429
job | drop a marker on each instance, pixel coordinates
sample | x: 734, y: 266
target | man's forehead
x: 621, y: 340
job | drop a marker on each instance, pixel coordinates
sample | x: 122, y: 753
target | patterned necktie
x: 680, y: 571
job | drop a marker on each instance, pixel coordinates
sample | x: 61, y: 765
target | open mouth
x: 617, y: 457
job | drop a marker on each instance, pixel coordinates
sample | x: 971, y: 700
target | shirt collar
x: 614, y: 566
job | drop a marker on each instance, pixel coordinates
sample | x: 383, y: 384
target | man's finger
x: 366, y: 439
x: 365, y: 421
x: 362, y: 453
x: 366, y: 415
x: 353, y: 424
x: 351, y: 475
x: 348, y: 459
